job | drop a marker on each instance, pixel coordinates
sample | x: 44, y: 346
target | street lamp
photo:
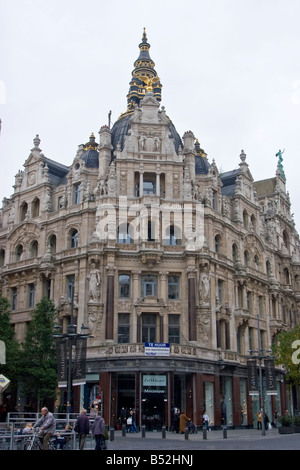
x: 65, y: 343
x: 259, y: 355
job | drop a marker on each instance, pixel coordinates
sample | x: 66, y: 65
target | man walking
x: 82, y: 427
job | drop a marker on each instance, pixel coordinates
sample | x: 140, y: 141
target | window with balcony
x: 74, y: 238
x: 149, y: 326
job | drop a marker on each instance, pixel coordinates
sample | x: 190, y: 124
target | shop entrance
x: 154, y: 401
x: 153, y: 411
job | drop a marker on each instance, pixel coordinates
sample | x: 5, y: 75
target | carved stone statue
x: 204, y: 286
x: 94, y: 284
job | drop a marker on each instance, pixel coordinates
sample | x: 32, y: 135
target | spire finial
x: 144, y: 38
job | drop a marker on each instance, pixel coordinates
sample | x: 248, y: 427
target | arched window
x: 256, y: 261
x: 286, y: 240
x: 23, y: 210
x: 52, y: 244
x: 217, y: 243
x: 246, y: 258
x: 234, y: 253
x: 35, y: 207
x: 268, y: 268
x: 172, y: 236
x: 19, y: 252
x: 34, y: 249
x: 245, y: 219
x: 74, y: 238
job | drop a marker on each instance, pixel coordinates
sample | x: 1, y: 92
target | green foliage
x: 286, y: 420
x: 7, y: 334
x: 286, y: 355
x: 39, y: 372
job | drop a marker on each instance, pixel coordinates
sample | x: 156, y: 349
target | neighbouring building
x: 169, y: 260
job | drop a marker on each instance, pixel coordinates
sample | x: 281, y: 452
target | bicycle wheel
x: 52, y: 445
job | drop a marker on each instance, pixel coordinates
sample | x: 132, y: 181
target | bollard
x: 163, y: 432
x: 224, y: 432
x: 204, y: 433
x: 112, y: 434
x: 143, y: 431
x: 123, y: 430
x: 186, y: 433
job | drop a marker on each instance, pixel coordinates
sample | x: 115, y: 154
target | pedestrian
x: 82, y: 427
x: 176, y: 420
x: 258, y: 420
x: 276, y: 415
x: 133, y: 415
x: 206, y: 420
x: 266, y: 421
x: 47, y: 425
x: 182, y: 422
x: 129, y: 423
x: 98, y: 430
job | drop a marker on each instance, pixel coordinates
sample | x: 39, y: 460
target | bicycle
x: 35, y: 443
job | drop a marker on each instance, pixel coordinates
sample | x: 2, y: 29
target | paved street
x: 243, y: 439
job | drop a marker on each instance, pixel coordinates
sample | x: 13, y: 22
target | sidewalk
x: 237, y: 439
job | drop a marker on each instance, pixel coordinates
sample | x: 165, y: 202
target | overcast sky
x: 230, y: 72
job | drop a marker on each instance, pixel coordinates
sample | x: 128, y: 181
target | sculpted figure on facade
x: 204, y: 286
x: 94, y: 284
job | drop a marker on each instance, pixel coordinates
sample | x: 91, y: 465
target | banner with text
x: 79, y: 371
x: 61, y: 352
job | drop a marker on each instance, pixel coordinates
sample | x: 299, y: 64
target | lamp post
x: 70, y: 338
x: 259, y: 355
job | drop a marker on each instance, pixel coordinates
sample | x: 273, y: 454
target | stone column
x: 192, y: 304
x: 109, y: 328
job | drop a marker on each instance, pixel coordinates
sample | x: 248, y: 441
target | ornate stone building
x: 157, y: 247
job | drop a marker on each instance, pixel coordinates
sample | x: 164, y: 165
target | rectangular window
x: 149, y: 187
x: 174, y: 329
x: 124, y: 286
x: 76, y: 194
x: 149, y: 327
x: 173, y: 287
x: 47, y: 288
x: 70, y: 286
x: 149, y: 286
x: 31, y: 293
x: 123, y: 328
x: 14, y: 298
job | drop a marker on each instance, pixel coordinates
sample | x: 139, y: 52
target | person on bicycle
x: 47, y: 425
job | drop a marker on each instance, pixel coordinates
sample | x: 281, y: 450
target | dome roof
x: 121, y: 127
x: 91, y: 158
x: 91, y: 155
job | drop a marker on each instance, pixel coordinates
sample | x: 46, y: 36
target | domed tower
x: 90, y: 156
x: 144, y: 79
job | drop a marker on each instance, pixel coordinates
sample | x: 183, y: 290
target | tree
x: 285, y: 351
x: 7, y: 334
x: 39, y: 372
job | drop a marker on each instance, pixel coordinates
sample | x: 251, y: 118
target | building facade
x: 170, y: 263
